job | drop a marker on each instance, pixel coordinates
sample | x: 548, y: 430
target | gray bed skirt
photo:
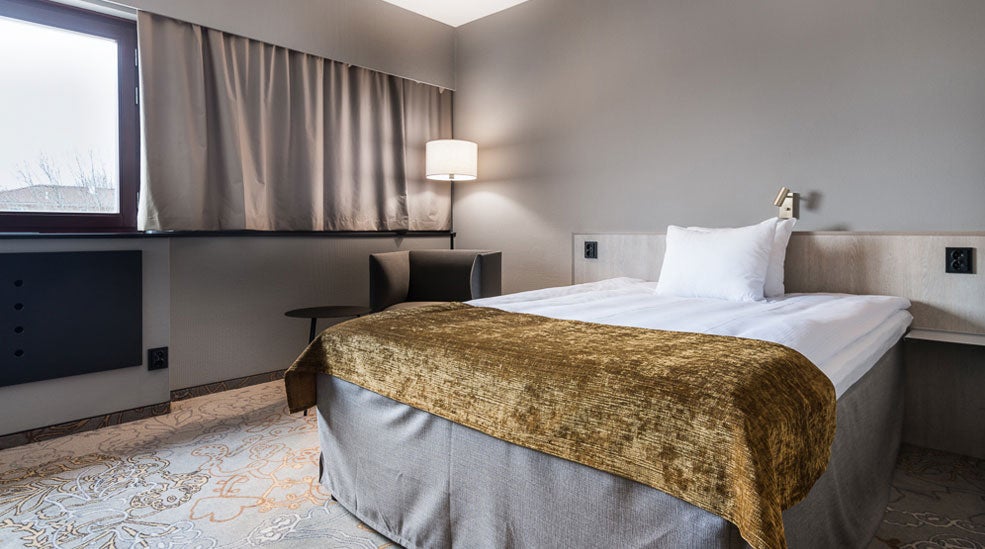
x: 425, y: 482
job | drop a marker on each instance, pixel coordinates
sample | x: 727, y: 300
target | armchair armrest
x: 389, y: 279
x: 487, y: 275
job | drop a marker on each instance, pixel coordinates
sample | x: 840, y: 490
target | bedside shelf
x: 962, y: 338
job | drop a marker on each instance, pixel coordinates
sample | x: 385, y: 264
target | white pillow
x: 717, y: 263
x: 773, y: 286
x: 774, y: 274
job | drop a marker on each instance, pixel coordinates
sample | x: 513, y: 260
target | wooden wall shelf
x: 962, y: 338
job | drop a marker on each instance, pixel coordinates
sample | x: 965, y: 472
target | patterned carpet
x: 937, y: 502
x: 222, y: 471
x: 234, y: 470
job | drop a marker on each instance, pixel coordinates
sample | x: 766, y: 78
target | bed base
x: 426, y: 482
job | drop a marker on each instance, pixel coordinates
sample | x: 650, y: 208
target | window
x: 69, y: 135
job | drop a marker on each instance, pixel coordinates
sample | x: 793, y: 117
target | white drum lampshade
x: 451, y: 160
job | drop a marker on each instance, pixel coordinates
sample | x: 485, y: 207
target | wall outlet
x: 157, y: 359
x: 959, y: 260
x: 591, y: 249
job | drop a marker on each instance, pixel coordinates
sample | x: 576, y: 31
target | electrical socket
x: 157, y: 359
x: 959, y: 260
x: 591, y: 249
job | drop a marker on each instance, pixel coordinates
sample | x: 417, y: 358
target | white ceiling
x: 455, y: 12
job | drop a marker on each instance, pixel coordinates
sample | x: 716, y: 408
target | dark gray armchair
x: 415, y: 277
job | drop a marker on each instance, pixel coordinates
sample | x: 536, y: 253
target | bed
x: 425, y: 481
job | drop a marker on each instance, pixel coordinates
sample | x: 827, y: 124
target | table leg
x: 311, y: 337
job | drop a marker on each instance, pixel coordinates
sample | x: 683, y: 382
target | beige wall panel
x: 635, y: 255
x: 907, y: 265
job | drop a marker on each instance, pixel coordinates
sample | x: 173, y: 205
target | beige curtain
x: 239, y: 134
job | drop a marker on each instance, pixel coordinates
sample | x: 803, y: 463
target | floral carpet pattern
x: 229, y: 470
x: 235, y: 470
x: 937, y: 502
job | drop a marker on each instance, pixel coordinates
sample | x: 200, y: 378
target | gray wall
x: 632, y: 115
x: 229, y: 295
x: 54, y: 401
x: 368, y: 33
x: 218, y: 303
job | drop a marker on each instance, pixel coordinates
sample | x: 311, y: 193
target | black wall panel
x: 69, y: 313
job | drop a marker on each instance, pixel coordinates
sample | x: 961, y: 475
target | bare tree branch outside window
x: 42, y: 186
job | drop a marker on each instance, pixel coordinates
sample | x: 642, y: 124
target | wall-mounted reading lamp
x: 451, y: 160
x: 787, y: 201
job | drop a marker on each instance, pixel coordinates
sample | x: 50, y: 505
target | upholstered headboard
x: 910, y: 265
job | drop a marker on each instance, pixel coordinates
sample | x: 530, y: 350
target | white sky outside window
x: 58, y: 107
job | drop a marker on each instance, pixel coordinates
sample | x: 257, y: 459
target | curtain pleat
x: 239, y: 134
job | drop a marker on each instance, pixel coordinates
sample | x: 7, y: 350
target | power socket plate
x: 591, y: 249
x: 157, y: 358
x: 959, y: 260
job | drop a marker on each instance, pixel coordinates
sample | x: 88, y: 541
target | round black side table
x: 330, y: 311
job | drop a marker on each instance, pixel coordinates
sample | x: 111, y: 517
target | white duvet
x: 844, y: 335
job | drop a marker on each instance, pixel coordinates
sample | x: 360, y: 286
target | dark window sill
x: 223, y: 234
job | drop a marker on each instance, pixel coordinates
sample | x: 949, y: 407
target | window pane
x: 59, y: 121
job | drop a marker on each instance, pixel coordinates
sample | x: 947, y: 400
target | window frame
x: 124, y: 32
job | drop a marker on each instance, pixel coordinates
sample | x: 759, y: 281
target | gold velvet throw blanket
x: 741, y: 428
